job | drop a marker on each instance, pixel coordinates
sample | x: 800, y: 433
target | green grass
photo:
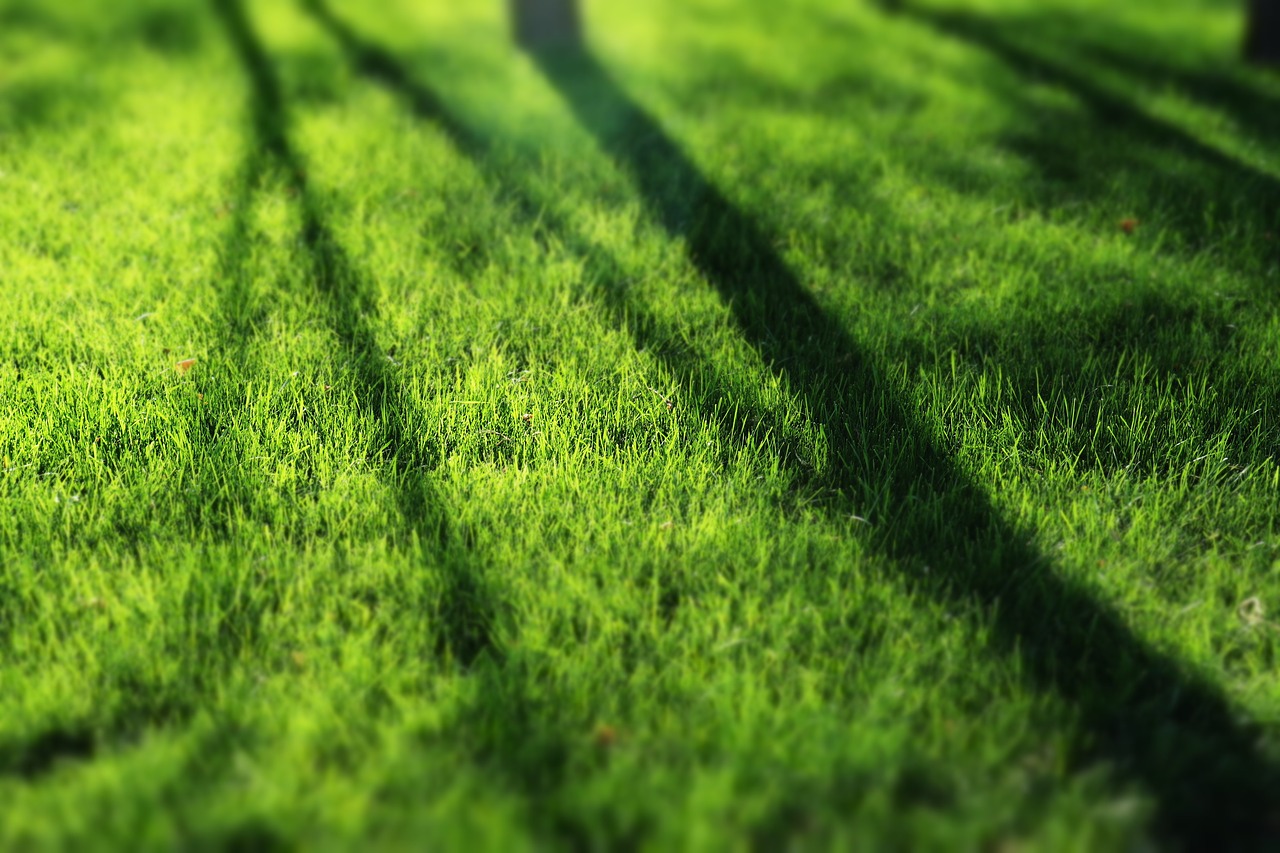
x: 756, y: 432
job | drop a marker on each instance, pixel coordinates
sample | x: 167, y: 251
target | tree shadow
x: 1254, y: 111
x: 1158, y: 724
x: 73, y: 742
x: 1224, y: 82
x: 1112, y: 387
x: 44, y: 101
x: 141, y: 712
x: 1171, y: 730
x: 165, y: 26
x: 468, y: 610
x: 1205, y: 198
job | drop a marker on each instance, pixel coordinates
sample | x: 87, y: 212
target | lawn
x: 781, y: 425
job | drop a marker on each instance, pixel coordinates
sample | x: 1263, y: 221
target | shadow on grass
x: 1172, y: 731
x: 467, y: 610
x: 1136, y: 383
x: 1086, y: 113
x: 166, y: 26
x: 73, y: 743
x: 1254, y: 111
x: 41, y: 753
x: 111, y: 733
x: 1099, y: 40
x: 1204, y: 196
x: 1156, y: 723
x: 36, y: 102
x: 138, y: 704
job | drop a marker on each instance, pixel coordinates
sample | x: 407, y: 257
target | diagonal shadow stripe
x: 1195, y: 183
x: 1166, y: 728
x: 468, y: 610
x: 1226, y: 87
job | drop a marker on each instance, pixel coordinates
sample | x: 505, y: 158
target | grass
x: 755, y: 431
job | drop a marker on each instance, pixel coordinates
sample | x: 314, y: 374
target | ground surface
x: 791, y: 422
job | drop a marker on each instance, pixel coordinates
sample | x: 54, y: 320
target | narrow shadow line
x: 380, y: 65
x: 1165, y: 728
x: 1254, y: 111
x: 1114, y: 111
x: 468, y: 610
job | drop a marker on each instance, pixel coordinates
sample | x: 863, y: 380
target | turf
x: 810, y: 425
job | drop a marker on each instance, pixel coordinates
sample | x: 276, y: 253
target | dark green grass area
x: 774, y: 425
